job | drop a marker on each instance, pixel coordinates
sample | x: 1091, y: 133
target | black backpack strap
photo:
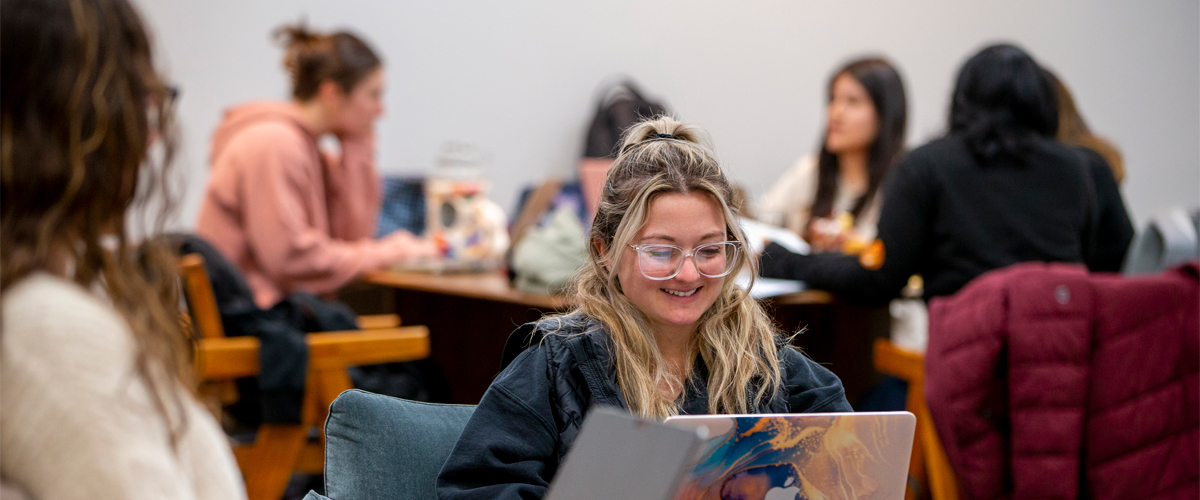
x: 519, y: 340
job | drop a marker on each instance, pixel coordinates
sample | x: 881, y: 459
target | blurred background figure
x: 832, y: 200
x: 290, y: 215
x: 97, y: 399
x: 1107, y: 170
x: 621, y: 105
x: 995, y: 191
x: 1073, y: 130
x: 506, y: 89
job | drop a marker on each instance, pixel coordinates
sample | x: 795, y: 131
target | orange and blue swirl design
x: 818, y: 457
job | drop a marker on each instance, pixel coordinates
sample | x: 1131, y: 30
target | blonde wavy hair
x: 735, y: 337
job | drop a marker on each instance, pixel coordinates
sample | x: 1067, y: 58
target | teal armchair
x: 380, y: 447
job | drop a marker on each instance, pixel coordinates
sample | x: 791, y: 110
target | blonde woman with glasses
x: 659, y: 327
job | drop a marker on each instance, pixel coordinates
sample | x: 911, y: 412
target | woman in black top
x: 997, y: 190
x: 659, y: 328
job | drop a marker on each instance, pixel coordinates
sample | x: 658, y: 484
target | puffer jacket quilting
x: 1039, y: 376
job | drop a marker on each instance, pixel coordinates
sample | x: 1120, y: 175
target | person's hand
x: 836, y: 235
x: 409, y: 247
x: 826, y: 235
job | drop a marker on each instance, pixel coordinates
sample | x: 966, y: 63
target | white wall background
x: 518, y: 77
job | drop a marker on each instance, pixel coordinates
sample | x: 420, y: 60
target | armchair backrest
x: 1170, y: 239
x: 201, y: 300
x: 380, y: 447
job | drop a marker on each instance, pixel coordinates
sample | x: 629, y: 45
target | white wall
x: 518, y: 77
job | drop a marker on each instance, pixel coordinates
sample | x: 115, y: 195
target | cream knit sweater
x: 76, y: 421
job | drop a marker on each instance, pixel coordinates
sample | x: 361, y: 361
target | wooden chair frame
x: 928, y: 466
x: 280, y: 449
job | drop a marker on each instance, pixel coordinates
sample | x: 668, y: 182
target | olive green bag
x: 546, y: 258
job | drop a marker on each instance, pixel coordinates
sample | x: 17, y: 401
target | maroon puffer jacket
x: 1047, y: 382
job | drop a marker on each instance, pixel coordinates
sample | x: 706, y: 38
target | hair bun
x: 294, y: 35
x: 300, y: 47
x: 660, y: 128
x: 312, y: 57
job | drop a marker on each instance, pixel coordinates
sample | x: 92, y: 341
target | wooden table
x: 471, y: 315
x: 485, y: 286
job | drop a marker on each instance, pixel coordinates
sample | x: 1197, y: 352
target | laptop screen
x: 772, y: 457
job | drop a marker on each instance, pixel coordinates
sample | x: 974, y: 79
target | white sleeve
x: 788, y: 201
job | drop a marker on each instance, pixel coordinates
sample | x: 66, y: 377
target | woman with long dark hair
x: 832, y: 199
x: 290, y: 215
x: 995, y: 191
x: 97, y: 398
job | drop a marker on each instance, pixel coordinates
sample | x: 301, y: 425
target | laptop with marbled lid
x: 851, y: 456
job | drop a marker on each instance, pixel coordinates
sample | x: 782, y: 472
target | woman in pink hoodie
x: 291, y: 216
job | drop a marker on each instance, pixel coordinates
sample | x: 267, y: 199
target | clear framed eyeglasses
x: 663, y: 262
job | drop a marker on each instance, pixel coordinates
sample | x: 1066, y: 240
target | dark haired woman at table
x: 995, y: 191
x: 291, y: 216
x: 832, y: 200
x: 97, y: 399
x: 659, y: 328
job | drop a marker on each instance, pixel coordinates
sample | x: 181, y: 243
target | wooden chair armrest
x: 898, y: 362
x: 227, y: 358
x: 376, y: 321
x: 354, y: 348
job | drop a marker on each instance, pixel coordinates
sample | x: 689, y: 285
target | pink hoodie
x: 291, y: 217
